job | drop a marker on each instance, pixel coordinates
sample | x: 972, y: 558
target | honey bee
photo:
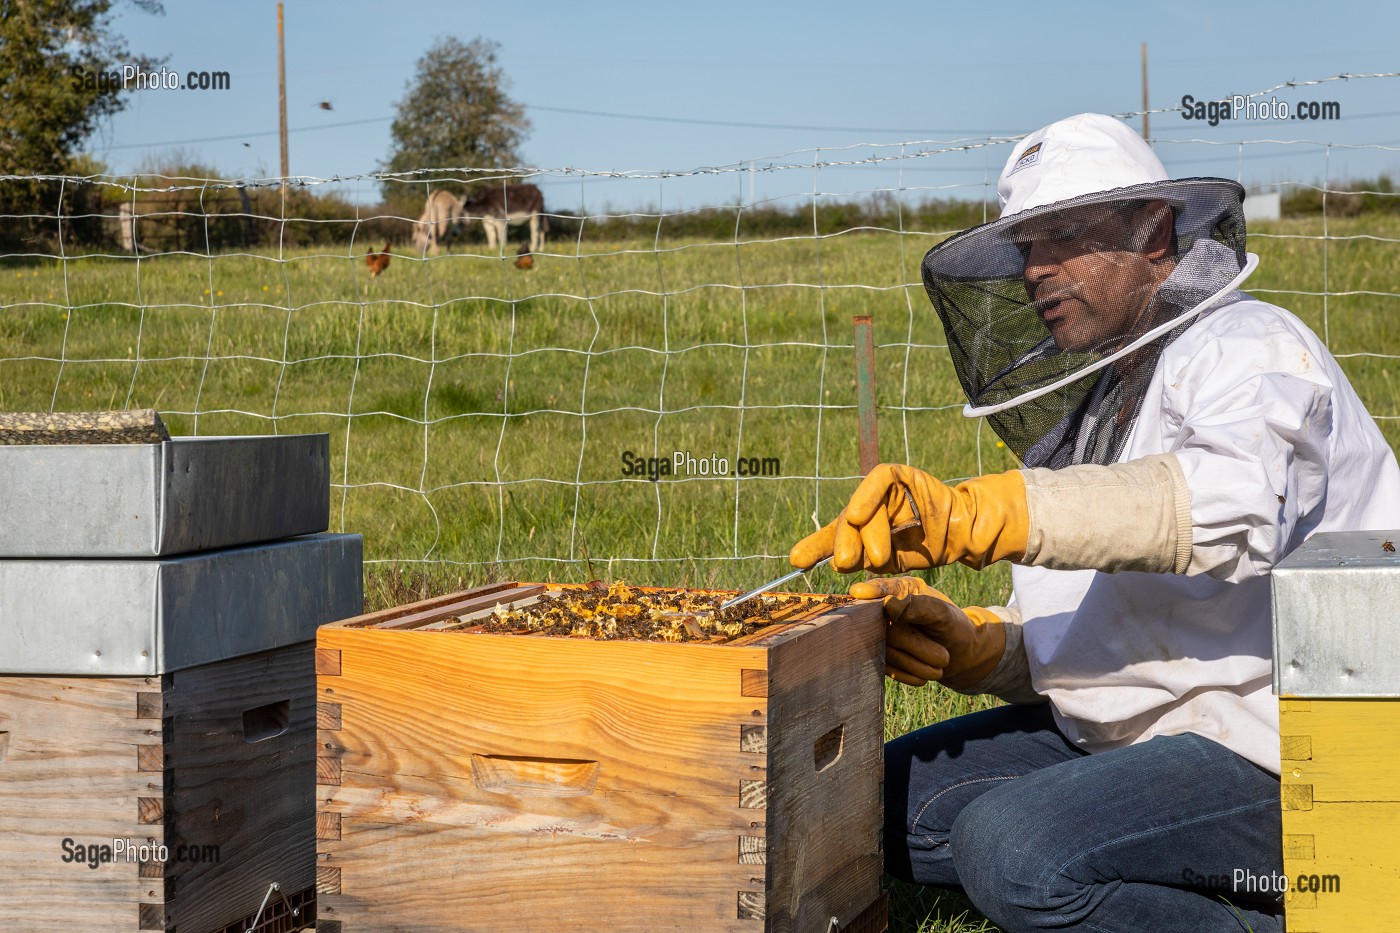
x: 1388, y: 546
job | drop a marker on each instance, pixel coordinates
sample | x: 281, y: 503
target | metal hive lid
x: 154, y: 500
x: 119, y: 618
x: 1334, y: 600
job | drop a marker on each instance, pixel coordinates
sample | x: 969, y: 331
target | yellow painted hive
x: 1337, y: 674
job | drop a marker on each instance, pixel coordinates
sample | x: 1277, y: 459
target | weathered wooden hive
x: 157, y: 685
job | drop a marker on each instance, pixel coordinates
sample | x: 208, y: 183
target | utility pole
x: 1144, y: 94
x: 282, y: 95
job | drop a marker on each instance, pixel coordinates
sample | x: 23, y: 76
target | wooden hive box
x: 485, y: 782
x: 1337, y: 673
x: 159, y: 795
x: 214, y: 763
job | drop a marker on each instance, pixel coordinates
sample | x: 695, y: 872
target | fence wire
x: 484, y: 413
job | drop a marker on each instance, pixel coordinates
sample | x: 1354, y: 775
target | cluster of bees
x: 619, y: 611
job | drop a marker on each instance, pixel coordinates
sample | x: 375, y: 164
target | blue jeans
x: 1041, y: 836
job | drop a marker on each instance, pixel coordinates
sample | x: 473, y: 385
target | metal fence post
x: 865, y: 393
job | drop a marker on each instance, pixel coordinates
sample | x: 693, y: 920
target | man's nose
x: 1042, y: 261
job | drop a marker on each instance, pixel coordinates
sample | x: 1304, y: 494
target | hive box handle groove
x: 827, y: 749
x: 264, y: 722
x: 534, y: 777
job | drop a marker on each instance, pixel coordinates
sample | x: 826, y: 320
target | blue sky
x: 839, y: 74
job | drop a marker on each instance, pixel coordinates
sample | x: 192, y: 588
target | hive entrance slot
x: 264, y: 722
x: 827, y: 748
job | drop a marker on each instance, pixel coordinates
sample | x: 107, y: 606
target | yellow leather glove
x: 930, y: 638
x: 976, y: 523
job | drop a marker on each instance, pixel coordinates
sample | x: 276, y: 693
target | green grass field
x: 478, y: 414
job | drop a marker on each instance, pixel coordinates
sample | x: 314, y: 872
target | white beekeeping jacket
x: 1275, y: 445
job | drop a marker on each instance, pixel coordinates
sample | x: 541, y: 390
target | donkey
x: 499, y: 205
x: 441, y: 216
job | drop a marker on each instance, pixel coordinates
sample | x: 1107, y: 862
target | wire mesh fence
x: 666, y: 391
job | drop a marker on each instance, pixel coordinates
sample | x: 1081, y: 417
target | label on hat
x: 1028, y: 158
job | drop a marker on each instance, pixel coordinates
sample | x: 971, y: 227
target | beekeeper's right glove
x: 930, y: 638
x: 1126, y: 516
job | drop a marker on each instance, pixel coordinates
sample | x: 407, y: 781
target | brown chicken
x: 377, y: 262
x: 523, y: 259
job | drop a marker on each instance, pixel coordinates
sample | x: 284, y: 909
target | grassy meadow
x: 478, y: 414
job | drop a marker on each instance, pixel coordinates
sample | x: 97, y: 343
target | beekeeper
x: 1179, y: 439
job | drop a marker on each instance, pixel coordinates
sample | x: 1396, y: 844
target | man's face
x: 1090, y: 271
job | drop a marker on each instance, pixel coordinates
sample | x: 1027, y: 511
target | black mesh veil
x: 1040, y: 295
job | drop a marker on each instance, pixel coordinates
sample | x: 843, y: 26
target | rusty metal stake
x: 865, y: 393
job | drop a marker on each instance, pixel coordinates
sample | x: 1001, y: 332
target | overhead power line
x: 582, y: 113
x: 755, y: 126
x: 922, y: 132
x: 242, y: 136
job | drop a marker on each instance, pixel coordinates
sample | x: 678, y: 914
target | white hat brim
x: 988, y: 251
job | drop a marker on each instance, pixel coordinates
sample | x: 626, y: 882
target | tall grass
x: 479, y: 414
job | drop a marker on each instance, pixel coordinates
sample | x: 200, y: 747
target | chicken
x: 523, y: 259
x: 379, y: 261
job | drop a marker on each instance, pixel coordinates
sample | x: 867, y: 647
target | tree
x: 456, y: 113
x: 56, y: 60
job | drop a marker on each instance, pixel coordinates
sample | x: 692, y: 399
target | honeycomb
x: 618, y: 611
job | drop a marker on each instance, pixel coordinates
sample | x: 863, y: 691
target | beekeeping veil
x: 1057, y: 312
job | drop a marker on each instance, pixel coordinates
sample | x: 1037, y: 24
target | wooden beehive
x: 1341, y: 811
x: 213, y: 762
x: 1337, y: 674
x: 486, y: 782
